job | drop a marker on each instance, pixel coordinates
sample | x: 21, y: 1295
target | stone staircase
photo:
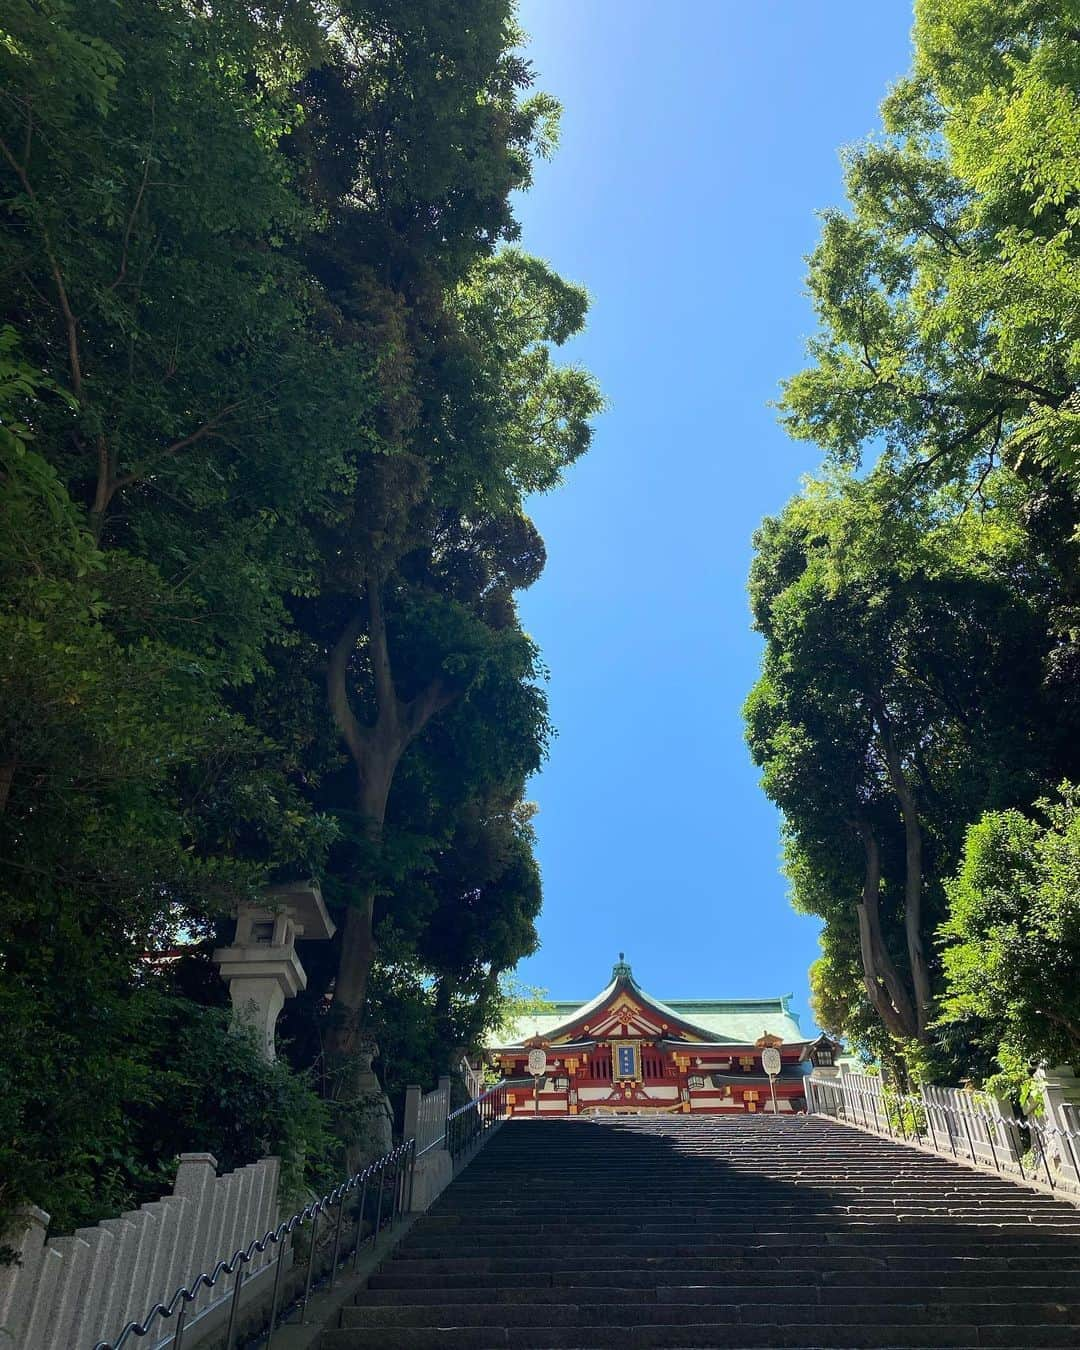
x: 725, y: 1231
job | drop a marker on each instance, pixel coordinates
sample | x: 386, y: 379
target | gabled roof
x: 726, y: 1021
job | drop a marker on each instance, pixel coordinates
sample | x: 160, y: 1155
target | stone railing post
x: 824, y: 1090
x: 17, y: 1282
x: 196, y: 1182
x: 412, y: 1110
x: 1060, y: 1089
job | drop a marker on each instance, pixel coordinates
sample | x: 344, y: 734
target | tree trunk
x: 884, y: 985
x: 363, y: 1111
x: 376, y: 750
x: 443, y: 1033
x: 350, y: 985
x: 7, y: 777
x: 344, y: 1036
x: 913, y: 878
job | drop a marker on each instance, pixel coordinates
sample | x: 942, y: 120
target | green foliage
x: 837, y: 994
x: 1011, y: 951
x: 518, y: 1000
x: 110, y: 1081
x: 948, y: 294
x: 920, y: 608
x: 906, y: 1116
x: 905, y: 657
x: 213, y: 1084
x: 234, y: 423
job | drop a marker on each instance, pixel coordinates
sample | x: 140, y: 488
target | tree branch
x: 1040, y: 391
x: 940, y: 233
x: 383, y: 676
x: 420, y: 710
x: 337, y: 691
x: 208, y: 428
x: 968, y: 434
x: 1059, y: 1020
x: 7, y: 777
x: 988, y: 468
x: 122, y: 271
x: 70, y: 322
x: 105, y: 487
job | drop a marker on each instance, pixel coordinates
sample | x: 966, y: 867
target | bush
x: 105, y: 1088
x: 1011, y: 952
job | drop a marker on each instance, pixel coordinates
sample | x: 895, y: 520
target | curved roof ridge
x: 779, y: 998
x: 730, y: 1020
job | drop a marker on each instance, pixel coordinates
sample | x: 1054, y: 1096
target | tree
x: 901, y: 685
x: 1011, y: 954
x: 264, y: 456
x: 946, y: 295
x: 413, y: 614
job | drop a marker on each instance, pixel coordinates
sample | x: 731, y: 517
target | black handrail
x: 399, y: 1161
x: 465, y: 1125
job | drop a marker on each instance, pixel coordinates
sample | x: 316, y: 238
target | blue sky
x: 699, y: 139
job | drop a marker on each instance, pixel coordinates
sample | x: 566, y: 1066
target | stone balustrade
x: 68, y: 1293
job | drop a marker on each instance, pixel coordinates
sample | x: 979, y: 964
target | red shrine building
x: 626, y: 1052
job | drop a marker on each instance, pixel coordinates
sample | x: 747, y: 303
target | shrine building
x: 625, y: 1051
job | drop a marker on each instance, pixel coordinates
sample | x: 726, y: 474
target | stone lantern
x: 261, y: 967
x: 823, y: 1055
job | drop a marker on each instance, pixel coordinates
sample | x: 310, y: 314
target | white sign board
x: 537, y: 1062
x: 770, y: 1060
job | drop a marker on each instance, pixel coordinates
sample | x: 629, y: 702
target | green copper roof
x: 740, y: 1021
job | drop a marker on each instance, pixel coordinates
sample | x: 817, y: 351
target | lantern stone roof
x: 304, y: 902
x: 713, y: 1022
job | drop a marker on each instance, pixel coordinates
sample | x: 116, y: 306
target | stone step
x: 629, y: 1336
x: 773, y: 1259
x: 848, y: 1216
x: 494, y: 1289
x: 709, y: 1196
x: 973, y: 1273
x: 721, y: 1176
x: 815, y: 1207
x: 740, y: 1172
x: 722, y: 1199
x: 762, y: 1181
x: 723, y: 1173
x: 896, y: 1241
x: 754, y: 1313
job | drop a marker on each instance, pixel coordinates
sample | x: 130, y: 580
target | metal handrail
x: 400, y: 1160
x: 465, y: 1125
x: 473, y: 1078
x: 1022, y: 1147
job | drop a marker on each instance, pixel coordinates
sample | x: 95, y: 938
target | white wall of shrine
x: 665, y: 1095
x: 660, y: 1092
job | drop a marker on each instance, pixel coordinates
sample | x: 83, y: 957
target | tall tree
x: 947, y: 347
x: 413, y: 612
x: 948, y: 293
x: 273, y: 391
x: 900, y: 690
